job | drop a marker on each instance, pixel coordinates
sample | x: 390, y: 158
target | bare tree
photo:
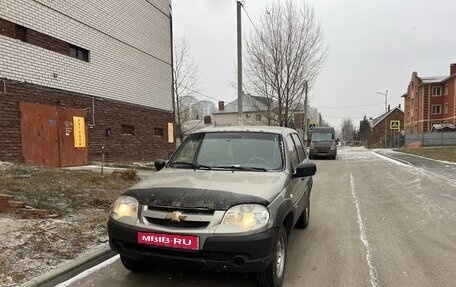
x: 186, y: 78
x: 284, y: 54
x: 347, y: 130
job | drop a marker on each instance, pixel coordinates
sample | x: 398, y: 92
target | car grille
x: 192, y: 217
x: 181, y: 209
x: 322, y: 149
x: 180, y: 224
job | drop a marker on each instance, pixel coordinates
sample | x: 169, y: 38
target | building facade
x: 387, y: 128
x: 85, y: 79
x: 429, y: 101
x: 254, y: 110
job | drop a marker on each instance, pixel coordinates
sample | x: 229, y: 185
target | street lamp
x: 386, y: 111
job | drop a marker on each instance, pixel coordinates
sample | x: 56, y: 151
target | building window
x: 258, y: 118
x: 445, y: 91
x: 158, y: 132
x: 79, y: 53
x: 436, y: 91
x: 128, y: 129
x: 445, y: 108
x: 436, y: 109
x: 21, y: 33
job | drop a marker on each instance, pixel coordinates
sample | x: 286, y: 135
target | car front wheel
x: 273, y: 275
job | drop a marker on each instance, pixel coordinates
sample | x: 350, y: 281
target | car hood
x: 218, y: 190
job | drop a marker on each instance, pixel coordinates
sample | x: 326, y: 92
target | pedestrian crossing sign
x: 395, y: 125
x: 312, y: 126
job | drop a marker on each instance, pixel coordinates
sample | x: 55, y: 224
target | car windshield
x: 322, y: 136
x: 230, y: 150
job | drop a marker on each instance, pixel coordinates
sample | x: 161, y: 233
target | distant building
x: 429, y: 101
x: 81, y: 79
x: 253, y: 108
x: 205, y: 108
x: 386, y: 124
x: 313, y: 118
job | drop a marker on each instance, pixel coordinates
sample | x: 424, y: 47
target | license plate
x: 169, y: 240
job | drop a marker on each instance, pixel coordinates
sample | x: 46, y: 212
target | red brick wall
x: 378, y: 131
x: 143, y: 146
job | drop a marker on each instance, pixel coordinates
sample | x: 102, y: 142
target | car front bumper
x: 252, y: 253
x: 322, y: 153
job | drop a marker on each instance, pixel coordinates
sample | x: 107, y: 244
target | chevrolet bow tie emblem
x: 176, y: 216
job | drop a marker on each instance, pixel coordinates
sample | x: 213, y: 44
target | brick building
x: 78, y: 78
x: 382, y: 128
x: 430, y: 100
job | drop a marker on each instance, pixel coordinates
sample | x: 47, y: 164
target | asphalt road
x: 374, y: 222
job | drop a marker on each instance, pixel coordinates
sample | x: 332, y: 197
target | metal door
x: 53, y: 136
x: 72, y: 135
x: 39, y: 134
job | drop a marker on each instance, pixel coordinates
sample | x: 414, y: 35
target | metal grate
x: 179, y: 224
x: 182, y: 209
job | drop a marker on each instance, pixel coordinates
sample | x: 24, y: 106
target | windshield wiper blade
x: 238, y: 167
x: 190, y: 164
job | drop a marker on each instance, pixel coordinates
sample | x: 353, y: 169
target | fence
x: 430, y: 139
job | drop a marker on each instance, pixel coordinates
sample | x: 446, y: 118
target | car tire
x: 304, y: 218
x: 274, y: 274
x: 134, y: 266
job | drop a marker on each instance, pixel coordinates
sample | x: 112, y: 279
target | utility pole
x: 239, y: 62
x: 386, y: 113
x: 305, y: 127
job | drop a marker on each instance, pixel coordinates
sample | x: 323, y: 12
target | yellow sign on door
x: 79, y: 132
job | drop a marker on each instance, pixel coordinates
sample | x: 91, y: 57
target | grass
x: 63, y: 192
x: 447, y: 153
x: 81, y: 199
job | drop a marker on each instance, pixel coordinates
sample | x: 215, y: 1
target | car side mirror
x: 159, y: 164
x: 305, y: 169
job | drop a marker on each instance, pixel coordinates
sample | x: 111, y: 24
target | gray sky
x: 374, y: 46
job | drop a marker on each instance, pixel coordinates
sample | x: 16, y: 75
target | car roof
x: 260, y: 129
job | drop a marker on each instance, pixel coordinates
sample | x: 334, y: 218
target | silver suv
x: 227, y: 200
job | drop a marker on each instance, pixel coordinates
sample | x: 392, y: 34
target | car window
x: 322, y: 136
x: 292, y: 153
x: 233, y: 149
x: 299, y: 147
x: 187, y: 150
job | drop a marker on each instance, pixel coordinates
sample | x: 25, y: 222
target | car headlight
x: 247, y: 216
x: 125, y: 206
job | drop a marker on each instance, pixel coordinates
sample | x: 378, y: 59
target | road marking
x: 362, y: 232
x: 363, y: 236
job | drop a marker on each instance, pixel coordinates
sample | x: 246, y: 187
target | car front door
x: 297, y: 185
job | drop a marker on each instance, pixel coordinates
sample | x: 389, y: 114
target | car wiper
x: 238, y: 167
x: 190, y: 164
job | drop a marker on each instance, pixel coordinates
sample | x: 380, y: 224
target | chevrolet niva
x: 227, y: 200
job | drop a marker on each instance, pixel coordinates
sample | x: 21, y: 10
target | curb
x: 67, y: 271
x: 128, y: 166
x: 393, y: 158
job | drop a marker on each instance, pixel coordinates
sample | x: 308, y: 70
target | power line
x: 206, y: 96
x: 250, y: 19
x: 346, y: 107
